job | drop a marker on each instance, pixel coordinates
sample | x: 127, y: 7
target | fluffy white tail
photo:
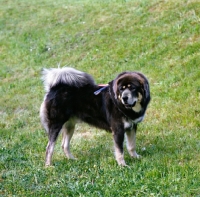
x: 66, y: 75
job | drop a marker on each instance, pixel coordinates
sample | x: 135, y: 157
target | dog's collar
x: 104, y: 86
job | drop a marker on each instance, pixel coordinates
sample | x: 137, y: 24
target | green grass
x: 159, y: 38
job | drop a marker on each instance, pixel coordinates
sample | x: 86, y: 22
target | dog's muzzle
x: 128, y: 100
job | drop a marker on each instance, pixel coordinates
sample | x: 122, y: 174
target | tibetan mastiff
x: 73, y: 95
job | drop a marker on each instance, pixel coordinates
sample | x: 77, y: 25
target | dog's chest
x: 137, y: 120
x: 128, y: 123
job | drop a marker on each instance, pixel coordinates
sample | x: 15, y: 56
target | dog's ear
x: 147, y: 89
x: 113, y: 86
x: 115, y: 82
x: 144, y: 85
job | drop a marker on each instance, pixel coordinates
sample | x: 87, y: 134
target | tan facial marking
x: 138, y: 106
x: 129, y: 85
x: 139, y: 97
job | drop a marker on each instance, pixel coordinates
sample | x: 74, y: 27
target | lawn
x: 158, y: 38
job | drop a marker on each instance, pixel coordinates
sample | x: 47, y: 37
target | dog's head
x: 130, y: 90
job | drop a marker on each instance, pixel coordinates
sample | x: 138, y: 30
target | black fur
x: 65, y: 101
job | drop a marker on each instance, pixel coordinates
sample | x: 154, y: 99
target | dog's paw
x: 73, y: 158
x: 70, y: 156
x: 49, y: 166
x: 125, y: 166
x: 121, y: 162
x: 136, y: 156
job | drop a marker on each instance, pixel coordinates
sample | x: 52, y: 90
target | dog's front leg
x: 131, y: 142
x: 118, y: 136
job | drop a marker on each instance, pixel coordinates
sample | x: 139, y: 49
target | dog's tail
x: 66, y: 75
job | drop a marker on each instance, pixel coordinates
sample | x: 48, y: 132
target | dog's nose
x: 125, y: 98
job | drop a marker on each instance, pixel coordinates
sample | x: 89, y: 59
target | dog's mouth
x: 129, y: 106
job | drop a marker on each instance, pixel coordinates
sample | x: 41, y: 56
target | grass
x: 159, y: 38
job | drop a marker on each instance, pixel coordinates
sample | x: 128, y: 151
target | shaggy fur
x: 117, y: 109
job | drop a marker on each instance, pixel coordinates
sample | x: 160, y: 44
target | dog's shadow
x: 100, y: 148
x: 96, y: 147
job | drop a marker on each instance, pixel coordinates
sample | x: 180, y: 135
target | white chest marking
x: 127, y: 124
x: 140, y: 119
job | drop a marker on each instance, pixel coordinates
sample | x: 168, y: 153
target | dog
x: 73, y: 95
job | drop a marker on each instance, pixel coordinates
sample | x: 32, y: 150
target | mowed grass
x: 159, y: 38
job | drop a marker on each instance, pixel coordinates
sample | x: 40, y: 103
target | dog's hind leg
x: 68, y: 131
x: 54, y: 130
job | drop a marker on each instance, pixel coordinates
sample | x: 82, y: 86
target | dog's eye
x: 130, y: 86
x: 122, y: 88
